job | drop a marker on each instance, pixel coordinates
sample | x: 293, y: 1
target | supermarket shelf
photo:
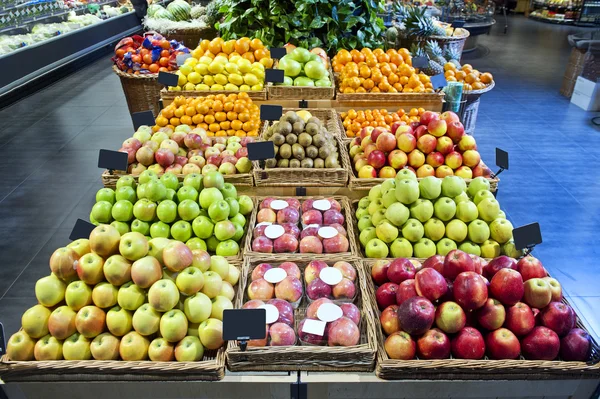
x: 553, y: 20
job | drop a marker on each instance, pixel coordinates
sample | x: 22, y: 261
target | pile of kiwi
x: 300, y: 144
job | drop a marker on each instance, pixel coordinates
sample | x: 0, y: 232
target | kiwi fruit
x: 283, y: 163
x: 298, y: 127
x: 318, y: 140
x: 315, y: 120
x: 331, y: 162
x: 270, y: 163
x: 298, y: 152
x: 291, y: 139
x: 324, y: 152
x: 278, y: 139
x: 294, y: 163
x: 312, y: 128
x: 307, y: 163
x: 291, y: 117
x: 312, y: 151
x: 285, y: 151
x: 276, y: 150
x: 305, y: 139
x: 319, y: 163
x: 285, y: 128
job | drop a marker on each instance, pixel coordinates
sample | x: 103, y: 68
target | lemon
x: 220, y: 79
x: 208, y: 80
x: 189, y: 87
x: 190, y: 61
x: 174, y: 88
x: 236, y: 79
x: 235, y: 58
x: 257, y: 87
x: 244, y: 88
x: 244, y: 65
x: 202, y: 69
x: 197, y: 53
x: 185, y: 69
x: 181, y: 80
x: 258, y: 72
x: 258, y: 65
x: 202, y: 87
x: 221, y: 59
x: 216, y: 67
x: 216, y: 87
x: 231, y: 67
x: 231, y: 87
x: 194, y: 77
x: 250, y: 79
x: 205, y: 60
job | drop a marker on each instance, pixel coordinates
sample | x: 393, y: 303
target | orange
x: 197, y: 119
x: 383, y: 57
x: 231, y: 116
x: 214, y: 127
x: 220, y: 116
x: 179, y: 112
x: 344, y: 56
x: 167, y: 112
x: 244, y: 117
x: 471, y: 78
x: 174, y: 121
x: 248, y: 56
x: 236, y: 125
x: 228, y: 47
x: 478, y: 86
x: 204, y: 45
x: 225, y: 125
x: 186, y: 120
x: 397, y: 86
x: 247, y: 126
x: 449, y: 73
x: 261, y: 53
x: 256, y: 44
x: 242, y: 45
x: 460, y: 76
x: 486, y: 78
x: 190, y: 111
x: 218, y: 105
x: 209, y: 119
x: 162, y: 121
x: 377, y: 51
x: 215, y: 45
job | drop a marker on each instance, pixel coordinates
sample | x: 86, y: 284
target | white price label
x: 272, y: 313
x: 327, y: 232
x: 322, y: 205
x: 274, y: 231
x: 330, y: 275
x: 329, y: 312
x: 263, y: 224
x: 275, y: 275
x: 279, y: 204
x: 316, y: 327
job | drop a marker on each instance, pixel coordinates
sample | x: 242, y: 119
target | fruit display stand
x: 279, y: 92
x: 167, y: 96
x: 303, y: 356
x: 471, y: 107
x: 142, y: 92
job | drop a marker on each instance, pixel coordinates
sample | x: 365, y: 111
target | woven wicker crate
x: 303, y: 356
x: 486, y: 369
x: 191, y: 37
x: 429, y: 101
x: 241, y: 179
x: 278, y: 92
x: 275, y: 257
x: 169, y: 95
x: 142, y: 92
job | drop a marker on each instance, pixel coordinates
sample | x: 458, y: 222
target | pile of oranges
x: 471, y: 78
x: 251, y: 49
x: 378, y: 71
x: 219, y: 115
x: 354, y: 121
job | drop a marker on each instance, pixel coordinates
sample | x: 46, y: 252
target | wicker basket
x: 191, y: 37
x: 275, y: 257
x: 309, y: 357
x: 241, y: 179
x: 142, y: 92
x: 471, y: 108
x: 277, y: 92
x: 462, y: 369
x: 430, y: 101
x: 169, y: 95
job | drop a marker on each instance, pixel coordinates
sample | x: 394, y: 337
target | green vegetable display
x: 330, y: 24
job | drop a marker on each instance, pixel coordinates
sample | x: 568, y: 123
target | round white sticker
x: 330, y: 275
x: 274, y: 231
x: 327, y: 232
x: 275, y: 275
x: 313, y: 225
x: 279, y: 204
x: 329, y: 312
x: 322, y: 205
x: 263, y: 224
x: 272, y: 313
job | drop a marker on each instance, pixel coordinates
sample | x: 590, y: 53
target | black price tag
x: 244, y: 324
x: 112, y: 160
x: 142, y: 118
x: 459, y: 23
x: 527, y: 236
x: 438, y: 81
x: 302, y: 104
x: 181, y: 58
x: 82, y: 229
x: 168, y: 79
x: 261, y: 150
x: 300, y: 191
x: 2, y: 341
x: 501, y: 159
x: 270, y: 112
x: 278, y: 52
x: 420, y: 62
x: 274, y: 75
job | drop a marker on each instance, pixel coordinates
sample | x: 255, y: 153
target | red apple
x: 379, y: 272
x: 530, y: 267
x: 429, y: 116
x: 386, y: 295
x: 468, y: 344
x: 455, y: 131
x: 386, y: 142
x: 401, y: 346
x: 501, y: 262
x: 389, y: 320
x: 426, y: 143
x: 434, y: 344
x: 351, y: 311
x: 519, y: 319
x: 470, y: 290
x: 416, y: 315
x: 450, y: 318
x: 437, y: 128
x: 575, y: 345
x: 492, y: 315
x: 541, y: 344
x: 376, y: 159
x: 558, y: 317
x: 456, y: 262
x: 435, y: 262
x: 366, y: 132
x: 430, y: 284
x: 399, y: 270
x: 502, y: 344
x: 397, y: 159
x: 507, y: 286
x: 376, y: 133
x: 435, y: 159
x: 406, y: 290
x: 537, y: 293
x: 449, y: 117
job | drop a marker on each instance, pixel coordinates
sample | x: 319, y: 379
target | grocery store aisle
x: 49, y: 144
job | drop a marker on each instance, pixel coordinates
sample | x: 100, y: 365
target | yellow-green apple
x: 376, y: 248
x: 77, y: 347
x: 531, y: 267
x: 90, y: 268
x: 450, y: 318
x: 35, y: 321
x: 470, y: 247
x: 454, y: 160
x: 537, y: 293
x: 48, y: 348
x: 163, y: 295
x: 61, y: 323
x: 105, y: 347
x: 212, y: 284
x: 464, y: 172
x: 133, y: 246
x: 457, y: 230
x: 233, y: 275
x: 416, y: 158
x: 467, y: 142
x: 81, y: 246
x: 397, y: 159
x: 555, y: 288
x: 156, y: 247
x: 443, y: 171
x: 193, y: 329
x: 501, y: 230
x: 228, y: 291
x: 104, y: 295
x: 468, y: 344
x: 219, y: 265
x: 50, y: 290
x: 134, y: 347
x: 146, y: 320
x: 119, y: 321
x: 160, y: 350
x: 424, y: 248
x: 131, y: 296
x: 400, y: 345
x: 219, y: 304
x: 197, y: 308
x: 146, y: 271
x: 196, y: 243
x: 90, y: 321
x: 471, y: 158
x: 488, y: 209
x: 424, y: 171
x: 201, y: 259
x: 20, y: 347
x: 190, y: 280
x: 490, y: 249
x: 558, y: 317
x: 416, y: 315
x: 444, y: 208
x: 470, y: 290
x: 478, y: 230
x: 434, y: 344
x: 210, y: 332
x: 434, y: 229
x: 575, y: 346
x: 491, y: 316
x: 117, y: 270
x: 502, y: 344
x: 467, y: 211
x: 63, y: 263
x: 189, y: 349
x: 507, y: 286
x: 387, y: 172
x: 366, y: 172
x: 457, y: 262
x: 177, y: 256
x: 540, y: 344
x: 173, y: 325
x: 481, y: 195
x: 104, y: 240
x: 389, y: 319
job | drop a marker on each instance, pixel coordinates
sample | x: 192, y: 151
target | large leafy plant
x: 330, y: 24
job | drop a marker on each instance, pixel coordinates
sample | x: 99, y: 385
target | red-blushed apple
x: 449, y: 117
x: 351, y: 311
x: 401, y: 127
x: 502, y: 344
x: 376, y: 133
x: 389, y: 320
x: 530, y: 267
x: 262, y: 244
x: 558, y: 317
x: 313, y: 339
x: 285, y: 309
x: 289, y: 289
x: 336, y: 244
x: 467, y: 142
x: 520, y: 319
x: 379, y: 271
x: 287, y: 243
x: 311, y: 310
x: 455, y: 131
x: 400, y: 346
x: 464, y: 171
x: 492, y: 315
x: 540, y: 344
x: 478, y: 170
x: 386, y: 295
x: 434, y: 344
x: 443, y: 171
x: 537, y: 293
x: 397, y: 159
x: 435, y: 159
x: 507, y: 286
x: 343, y: 332
x: 260, y: 270
x: 468, y: 344
x: 291, y: 269
x: 90, y: 321
x: 500, y: 262
x: 425, y: 170
x: 130, y: 154
x: 312, y: 216
x: 456, y: 262
x: 313, y: 270
x: 437, y: 128
x: 261, y: 289
x: 387, y: 172
x: 318, y: 289
x: 454, y: 160
x: 426, y: 143
x: 366, y: 132
x: 430, y: 284
x: 416, y: 315
x: 369, y: 149
x: 450, y: 318
x: 555, y: 288
x: 367, y: 172
x: 406, y: 142
x: 575, y: 346
x: 62, y: 262
x: 346, y: 269
x: 444, y: 145
x: 471, y: 158
x: 399, y: 270
x: 266, y: 215
x: 416, y: 158
x: 429, y: 116
x: 386, y: 142
x: 470, y: 290
x: 435, y: 262
x: 288, y: 215
x: 376, y: 159
x: 332, y: 216
x: 406, y: 289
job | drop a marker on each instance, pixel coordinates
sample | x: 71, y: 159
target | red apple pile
x: 340, y: 330
x: 436, y: 145
x: 290, y: 214
x: 461, y: 306
x: 286, y: 285
x: 318, y: 284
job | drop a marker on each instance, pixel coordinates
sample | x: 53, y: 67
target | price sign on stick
x: 270, y: 112
x: 419, y: 62
x: 261, y: 151
x: 274, y: 75
x: 278, y: 52
x: 439, y: 81
x: 142, y: 118
x: 501, y: 160
x: 82, y: 229
x: 168, y: 79
x: 112, y: 160
x: 528, y: 236
x: 243, y: 325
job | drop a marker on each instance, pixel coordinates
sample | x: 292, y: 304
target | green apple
x: 424, y: 248
x: 457, y: 230
x: 187, y: 192
x: 422, y: 210
x: 479, y: 231
x: 413, y: 230
x: 94, y: 221
x: 147, y: 175
x: 35, y: 321
x: 481, y: 195
x: 169, y: 180
x: 379, y: 217
x: 405, y: 174
x: 444, y: 208
x: 81, y: 246
x: 167, y: 211
x: 140, y: 227
x: 375, y: 192
x: 50, y: 290
x: 224, y: 230
x: 126, y: 181
x: 477, y: 184
x: 20, y: 347
x: 102, y: 212
x: 173, y: 325
x: 434, y: 229
x: 444, y: 246
x: 219, y: 265
x: 105, y: 194
x: 144, y: 210
x: 203, y: 227
x: 387, y: 185
x: 117, y: 270
x: 181, y: 230
x: 189, y: 349
x: 238, y: 219
x: 239, y: 233
x: 407, y: 191
x: 430, y: 187
x: 119, y: 321
x: 188, y: 209
x: 232, y: 277
x: 401, y: 248
x: 364, y: 202
x: 130, y: 296
x: 140, y: 192
x: 211, y: 333
x: 376, y: 249
x: 229, y: 191
x: 218, y: 210
x: 227, y: 248
x: 246, y: 204
x: 190, y: 280
x: 488, y: 209
x: 386, y: 232
x: 160, y: 229
x: 501, y: 214
x: 212, y: 284
x: 197, y: 308
x: 234, y: 206
x: 155, y: 191
x: 374, y: 206
x: 364, y: 222
x: 452, y: 186
x: 219, y: 304
x: 77, y: 295
x: 194, y: 180
x: 134, y: 347
x: 490, y: 249
x: 397, y: 214
x: 104, y: 295
x: 466, y: 211
x: 77, y: 347
x: 501, y: 230
x: 126, y: 193
x: 121, y: 227
x: 367, y: 235
x: 389, y: 198
x: 146, y: 320
x: 209, y: 196
x: 156, y: 246
x: 509, y: 249
x: 133, y: 246
x: 214, y: 180
x: 212, y: 243
x: 360, y: 212
x: 163, y: 295
x: 171, y: 194
x: 462, y: 197
x: 470, y: 248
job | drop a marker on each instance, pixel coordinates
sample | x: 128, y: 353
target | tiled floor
x: 49, y: 143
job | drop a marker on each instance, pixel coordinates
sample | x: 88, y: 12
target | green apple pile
x: 404, y: 218
x: 305, y: 68
x: 116, y: 296
x: 202, y: 211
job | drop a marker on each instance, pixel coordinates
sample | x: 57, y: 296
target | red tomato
x: 164, y: 61
x: 147, y: 59
x: 165, y: 44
